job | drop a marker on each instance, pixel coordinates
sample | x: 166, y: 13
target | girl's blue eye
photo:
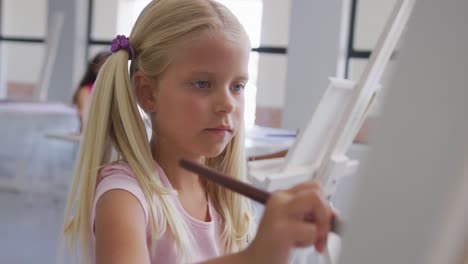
x: 200, y: 84
x: 238, y: 87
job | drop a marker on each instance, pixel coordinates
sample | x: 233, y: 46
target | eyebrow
x: 243, y: 77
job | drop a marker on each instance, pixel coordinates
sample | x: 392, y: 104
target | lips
x: 227, y: 128
x: 220, y: 130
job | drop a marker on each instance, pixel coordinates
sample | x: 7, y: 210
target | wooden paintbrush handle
x: 237, y: 186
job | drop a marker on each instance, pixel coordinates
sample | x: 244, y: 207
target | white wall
x: 271, y: 80
x: 60, y: 86
x: 313, y: 55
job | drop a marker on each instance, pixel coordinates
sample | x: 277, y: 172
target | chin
x: 214, y: 152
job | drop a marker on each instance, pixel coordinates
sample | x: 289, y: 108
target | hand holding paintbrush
x: 300, y: 212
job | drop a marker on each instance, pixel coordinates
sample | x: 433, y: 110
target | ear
x: 144, y: 88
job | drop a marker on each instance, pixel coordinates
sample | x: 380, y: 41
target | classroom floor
x: 34, y: 175
x: 29, y: 227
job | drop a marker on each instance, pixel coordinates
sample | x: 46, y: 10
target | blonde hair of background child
x: 114, y: 123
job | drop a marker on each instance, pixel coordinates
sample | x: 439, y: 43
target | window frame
x: 352, y: 52
x: 92, y: 41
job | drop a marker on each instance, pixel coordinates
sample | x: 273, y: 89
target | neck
x: 168, y: 158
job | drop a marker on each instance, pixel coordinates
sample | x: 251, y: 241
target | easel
x: 320, y: 152
x: 410, y: 203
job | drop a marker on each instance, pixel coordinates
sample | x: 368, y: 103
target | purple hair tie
x: 121, y: 42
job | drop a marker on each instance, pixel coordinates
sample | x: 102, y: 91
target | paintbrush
x: 245, y: 189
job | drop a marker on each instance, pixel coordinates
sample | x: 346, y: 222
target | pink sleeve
x: 89, y: 87
x: 121, y: 182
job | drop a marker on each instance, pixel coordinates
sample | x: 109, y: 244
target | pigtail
x: 95, y: 149
x: 128, y: 134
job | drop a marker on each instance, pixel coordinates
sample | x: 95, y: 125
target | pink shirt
x: 207, y: 235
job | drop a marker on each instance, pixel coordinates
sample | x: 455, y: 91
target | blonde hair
x: 115, y: 124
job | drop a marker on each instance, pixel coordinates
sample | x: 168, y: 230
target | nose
x: 225, y: 101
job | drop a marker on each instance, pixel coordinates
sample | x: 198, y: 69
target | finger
x: 304, y: 186
x: 303, y: 234
x: 311, y: 204
x: 279, y: 197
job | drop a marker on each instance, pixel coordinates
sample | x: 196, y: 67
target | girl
x: 83, y: 92
x: 188, y: 71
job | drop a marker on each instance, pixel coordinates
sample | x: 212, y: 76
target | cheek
x: 181, y: 114
x: 194, y: 107
x: 193, y: 111
x: 239, y: 113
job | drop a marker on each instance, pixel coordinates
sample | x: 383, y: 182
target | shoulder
x: 120, y: 229
x: 117, y: 168
x: 119, y: 204
x: 119, y: 176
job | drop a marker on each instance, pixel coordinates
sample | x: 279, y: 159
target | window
x: 21, y: 47
x: 249, y: 13
x: 367, y: 21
